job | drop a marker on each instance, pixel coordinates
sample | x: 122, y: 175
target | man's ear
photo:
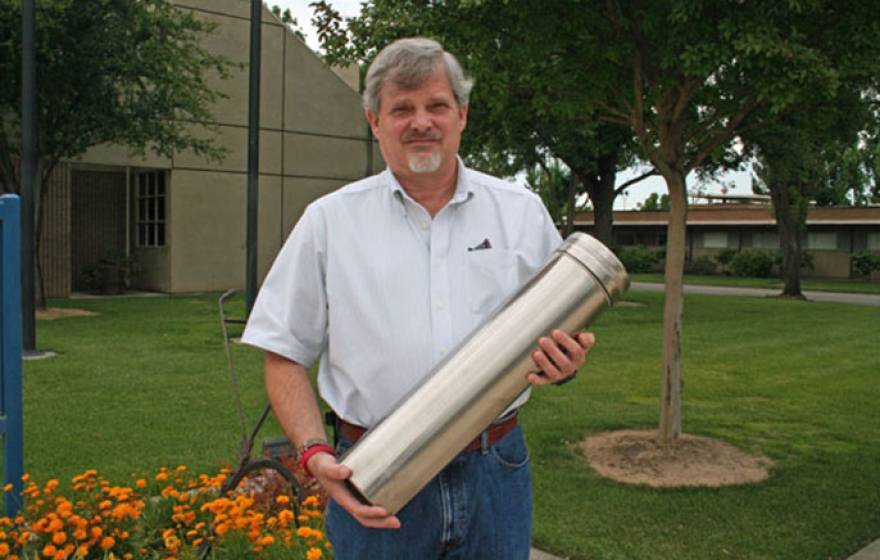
x: 462, y: 115
x: 373, y: 119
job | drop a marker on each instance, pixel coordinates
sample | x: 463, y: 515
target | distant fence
x: 10, y: 350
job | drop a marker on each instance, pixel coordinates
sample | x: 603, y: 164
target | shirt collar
x: 464, y: 189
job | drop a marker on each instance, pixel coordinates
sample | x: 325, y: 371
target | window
x: 150, y: 219
x: 874, y: 241
x: 715, y: 240
x: 823, y: 240
x: 765, y: 240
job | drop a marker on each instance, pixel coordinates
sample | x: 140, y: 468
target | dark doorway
x: 97, y: 220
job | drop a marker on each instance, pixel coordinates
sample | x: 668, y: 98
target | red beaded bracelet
x: 310, y: 451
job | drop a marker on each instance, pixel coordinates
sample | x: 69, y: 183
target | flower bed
x: 172, y: 515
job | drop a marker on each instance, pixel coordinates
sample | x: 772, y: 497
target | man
x: 381, y: 279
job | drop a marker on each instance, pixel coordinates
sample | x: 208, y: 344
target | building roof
x: 741, y: 214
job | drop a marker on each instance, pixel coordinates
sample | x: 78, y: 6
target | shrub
x: 808, y: 261
x: 752, y: 263
x: 725, y: 256
x: 701, y: 265
x: 865, y: 263
x: 639, y: 258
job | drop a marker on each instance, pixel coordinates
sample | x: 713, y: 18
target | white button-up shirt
x: 368, y: 281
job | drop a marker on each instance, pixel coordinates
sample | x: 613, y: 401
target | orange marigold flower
x: 82, y: 550
x: 266, y: 540
x: 49, y: 551
x: 311, y: 501
x: 314, y: 554
x: 141, y: 483
x: 107, y: 543
x: 59, y: 538
x: 80, y: 534
x: 7, y: 487
x: 25, y: 477
x: 4, y: 549
x: 282, y: 499
x: 162, y: 476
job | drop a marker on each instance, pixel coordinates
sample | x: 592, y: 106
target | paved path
x: 858, y: 299
x: 870, y: 552
x: 541, y: 555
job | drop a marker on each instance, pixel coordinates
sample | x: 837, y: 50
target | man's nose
x: 421, y: 121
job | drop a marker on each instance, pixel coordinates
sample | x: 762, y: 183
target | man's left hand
x: 559, y: 356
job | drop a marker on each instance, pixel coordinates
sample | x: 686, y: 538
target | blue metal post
x: 10, y: 350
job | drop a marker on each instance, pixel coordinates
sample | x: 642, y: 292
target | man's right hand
x: 332, y: 477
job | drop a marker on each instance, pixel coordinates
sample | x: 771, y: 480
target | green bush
x: 725, y: 256
x: 865, y: 263
x: 808, y: 261
x: 701, y: 265
x: 639, y: 258
x: 752, y: 263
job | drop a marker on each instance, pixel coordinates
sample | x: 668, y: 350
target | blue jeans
x: 478, y: 507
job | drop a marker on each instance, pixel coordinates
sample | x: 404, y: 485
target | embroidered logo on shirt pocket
x: 492, y: 278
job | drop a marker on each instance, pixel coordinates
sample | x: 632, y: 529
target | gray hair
x: 409, y: 63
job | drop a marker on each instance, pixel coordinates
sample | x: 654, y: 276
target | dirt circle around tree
x: 636, y: 457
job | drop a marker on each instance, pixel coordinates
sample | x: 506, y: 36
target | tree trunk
x: 670, y: 397
x: 788, y: 208
x: 571, y: 205
x: 600, y: 189
x: 603, y: 205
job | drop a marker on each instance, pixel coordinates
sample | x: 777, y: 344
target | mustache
x: 411, y: 135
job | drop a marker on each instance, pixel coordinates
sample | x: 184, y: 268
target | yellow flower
x: 314, y: 554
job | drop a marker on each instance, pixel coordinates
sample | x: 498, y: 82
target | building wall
x: 313, y: 139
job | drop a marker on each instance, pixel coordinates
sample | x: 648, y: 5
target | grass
x: 817, y: 284
x: 144, y: 384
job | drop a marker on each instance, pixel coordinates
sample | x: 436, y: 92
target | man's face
x: 419, y: 130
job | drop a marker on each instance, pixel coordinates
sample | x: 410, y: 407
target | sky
x: 737, y: 183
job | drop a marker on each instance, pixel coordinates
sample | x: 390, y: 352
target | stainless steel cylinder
x: 483, y: 376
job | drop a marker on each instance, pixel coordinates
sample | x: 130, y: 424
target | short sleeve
x: 289, y: 316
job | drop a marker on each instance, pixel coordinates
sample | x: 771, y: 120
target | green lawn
x: 818, y: 284
x: 144, y: 384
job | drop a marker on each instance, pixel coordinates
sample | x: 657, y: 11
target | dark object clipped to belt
x: 485, y: 440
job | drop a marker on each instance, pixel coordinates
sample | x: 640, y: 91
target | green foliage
x: 808, y: 261
x: 725, y: 256
x: 655, y: 202
x: 752, y: 262
x: 132, y: 73
x: 701, y: 265
x: 865, y: 263
x: 639, y: 258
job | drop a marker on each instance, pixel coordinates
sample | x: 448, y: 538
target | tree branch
x: 723, y: 135
x: 635, y: 180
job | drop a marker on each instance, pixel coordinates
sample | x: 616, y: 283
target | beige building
x: 183, y: 218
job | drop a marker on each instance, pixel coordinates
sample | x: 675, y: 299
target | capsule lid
x: 600, y: 261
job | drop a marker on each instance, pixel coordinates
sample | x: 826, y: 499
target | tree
x: 528, y: 104
x: 289, y: 20
x: 131, y: 73
x: 655, y: 202
x: 811, y: 152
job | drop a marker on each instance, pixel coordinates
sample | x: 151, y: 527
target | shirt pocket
x: 492, y: 278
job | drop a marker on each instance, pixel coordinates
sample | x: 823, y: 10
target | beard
x: 425, y: 163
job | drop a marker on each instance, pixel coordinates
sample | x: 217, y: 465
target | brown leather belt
x: 493, y: 433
